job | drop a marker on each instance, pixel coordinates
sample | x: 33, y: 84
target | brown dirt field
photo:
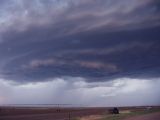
x: 47, y: 114
x: 153, y: 116
x: 94, y: 113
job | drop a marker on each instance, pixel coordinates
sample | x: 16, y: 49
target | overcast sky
x: 88, y: 52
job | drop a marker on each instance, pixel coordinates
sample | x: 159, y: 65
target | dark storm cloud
x: 94, y: 39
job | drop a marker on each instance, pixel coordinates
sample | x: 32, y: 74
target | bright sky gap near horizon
x: 90, y: 52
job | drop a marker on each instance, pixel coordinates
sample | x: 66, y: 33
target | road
x: 152, y: 116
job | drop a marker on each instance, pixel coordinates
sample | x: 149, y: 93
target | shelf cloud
x: 96, y: 40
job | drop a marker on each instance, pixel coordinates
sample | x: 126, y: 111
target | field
x: 58, y: 113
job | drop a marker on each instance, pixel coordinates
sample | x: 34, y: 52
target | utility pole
x: 69, y: 116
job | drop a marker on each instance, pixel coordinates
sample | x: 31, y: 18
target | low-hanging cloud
x: 77, y: 92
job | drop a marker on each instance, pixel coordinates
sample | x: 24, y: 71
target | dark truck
x: 114, y: 111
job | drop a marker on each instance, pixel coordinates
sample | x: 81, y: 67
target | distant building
x: 148, y: 108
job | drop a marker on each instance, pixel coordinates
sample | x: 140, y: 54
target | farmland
x: 60, y: 113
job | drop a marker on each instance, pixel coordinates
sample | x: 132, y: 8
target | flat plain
x: 76, y: 113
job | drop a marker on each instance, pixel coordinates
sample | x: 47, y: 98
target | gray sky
x: 90, y: 52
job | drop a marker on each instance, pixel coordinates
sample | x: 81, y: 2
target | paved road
x: 152, y: 116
